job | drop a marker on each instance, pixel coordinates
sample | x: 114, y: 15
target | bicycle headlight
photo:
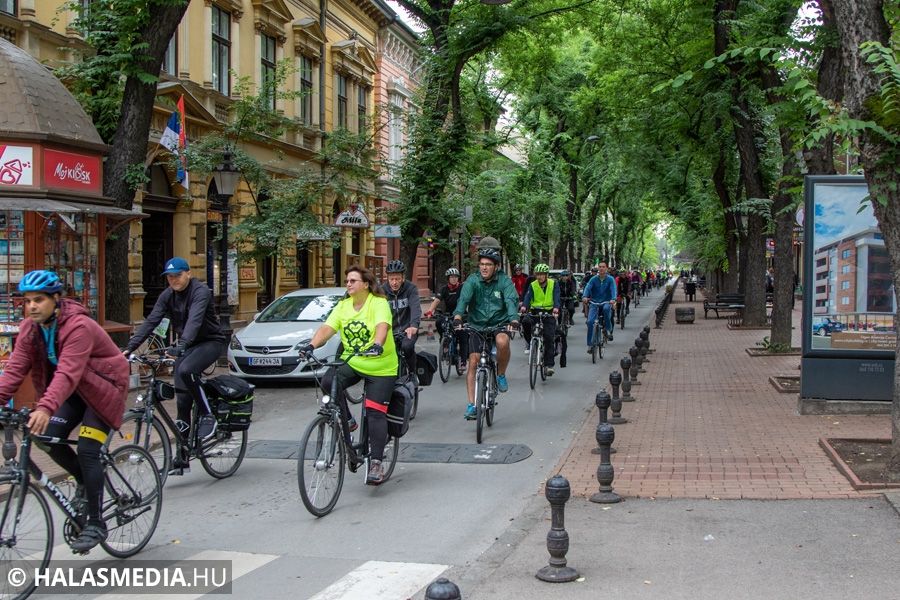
x: 326, y: 398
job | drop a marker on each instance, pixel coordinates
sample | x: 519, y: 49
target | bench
x: 726, y: 302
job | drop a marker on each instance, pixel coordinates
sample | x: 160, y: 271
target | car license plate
x: 267, y: 361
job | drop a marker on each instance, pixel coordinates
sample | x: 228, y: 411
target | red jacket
x: 519, y: 280
x: 88, y: 363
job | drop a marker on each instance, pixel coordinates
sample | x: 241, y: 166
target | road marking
x: 376, y: 580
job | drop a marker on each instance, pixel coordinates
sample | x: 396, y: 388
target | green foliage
x: 774, y: 348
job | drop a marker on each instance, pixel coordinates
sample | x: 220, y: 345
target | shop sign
x: 77, y: 172
x: 387, y: 231
x: 352, y: 216
x: 16, y: 165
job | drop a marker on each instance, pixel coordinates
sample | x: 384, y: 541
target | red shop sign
x: 78, y: 172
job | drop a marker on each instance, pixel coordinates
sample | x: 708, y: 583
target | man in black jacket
x: 406, y: 309
x: 188, y: 303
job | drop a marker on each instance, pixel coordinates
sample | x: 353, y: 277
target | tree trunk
x: 859, y: 21
x: 129, y: 147
x: 730, y: 277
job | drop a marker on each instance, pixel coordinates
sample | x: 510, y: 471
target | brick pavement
x: 708, y: 424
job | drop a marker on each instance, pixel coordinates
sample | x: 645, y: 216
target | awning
x: 55, y: 206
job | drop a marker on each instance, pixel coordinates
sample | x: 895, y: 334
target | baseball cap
x: 176, y: 265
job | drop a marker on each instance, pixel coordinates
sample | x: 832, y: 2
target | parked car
x: 269, y: 347
x: 826, y: 326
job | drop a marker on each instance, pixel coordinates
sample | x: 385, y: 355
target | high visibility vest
x: 540, y: 298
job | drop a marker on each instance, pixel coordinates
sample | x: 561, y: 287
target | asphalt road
x: 392, y: 540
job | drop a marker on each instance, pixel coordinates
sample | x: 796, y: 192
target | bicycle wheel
x: 533, y: 362
x: 601, y: 344
x: 622, y: 315
x: 26, y: 538
x: 132, y: 501
x: 445, y: 360
x: 154, y: 439
x: 391, y: 452
x: 541, y: 367
x: 491, y: 401
x: 596, y: 341
x: 320, y: 465
x: 222, y: 456
x: 480, y: 403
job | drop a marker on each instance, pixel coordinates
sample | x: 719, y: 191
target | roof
x: 37, y: 106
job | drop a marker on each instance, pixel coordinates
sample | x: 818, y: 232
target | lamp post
x: 227, y: 178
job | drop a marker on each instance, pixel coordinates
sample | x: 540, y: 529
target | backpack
x: 400, y: 408
x: 231, y: 400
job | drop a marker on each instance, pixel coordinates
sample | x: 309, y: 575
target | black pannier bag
x: 400, y: 408
x: 231, y: 399
x: 426, y: 365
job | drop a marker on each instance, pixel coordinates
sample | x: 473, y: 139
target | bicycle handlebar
x: 14, y: 416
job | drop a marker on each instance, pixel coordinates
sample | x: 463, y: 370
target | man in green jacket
x: 489, y: 300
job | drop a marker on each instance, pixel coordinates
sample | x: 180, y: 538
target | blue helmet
x: 41, y: 281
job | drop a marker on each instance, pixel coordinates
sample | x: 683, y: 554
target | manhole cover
x: 414, y: 452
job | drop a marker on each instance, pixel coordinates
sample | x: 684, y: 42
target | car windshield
x: 298, y: 308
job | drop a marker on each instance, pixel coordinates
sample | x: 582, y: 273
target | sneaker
x: 590, y: 350
x: 550, y: 371
x: 610, y: 337
x: 470, y: 412
x: 527, y: 349
x: 183, y: 426
x: 352, y: 425
x: 89, y: 537
x: 376, y: 473
x: 206, y: 427
x: 502, y: 385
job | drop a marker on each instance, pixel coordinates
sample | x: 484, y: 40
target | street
x: 446, y: 503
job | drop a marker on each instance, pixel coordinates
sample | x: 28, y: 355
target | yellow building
x: 333, y: 53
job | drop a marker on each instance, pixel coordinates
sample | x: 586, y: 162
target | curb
x: 845, y: 469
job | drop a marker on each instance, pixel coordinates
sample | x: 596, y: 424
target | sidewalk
x: 726, y: 491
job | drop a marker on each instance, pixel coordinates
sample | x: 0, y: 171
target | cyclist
x: 623, y: 286
x: 363, y: 320
x: 587, y: 280
x: 188, y: 302
x: 568, y: 292
x: 448, y: 296
x: 80, y: 377
x: 543, y: 296
x: 489, y: 300
x: 601, y: 288
x: 406, y: 308
x: 519, y: 280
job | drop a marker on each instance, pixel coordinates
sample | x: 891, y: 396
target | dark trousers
x: 408, y: 346
x: 188, y: 368
x: 549, y: 335
x: 378, y: 391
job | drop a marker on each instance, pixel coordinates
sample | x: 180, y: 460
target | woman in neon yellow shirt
x: 363, y: 319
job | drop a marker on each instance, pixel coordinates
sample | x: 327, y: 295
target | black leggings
x: 378, y: 392
x: 188, y: 368
x: 85, y: 466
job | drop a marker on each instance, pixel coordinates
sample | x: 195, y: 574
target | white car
x: 269, y: 347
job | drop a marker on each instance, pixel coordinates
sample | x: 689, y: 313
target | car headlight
x: 235, y: 343
x: 302, y: 343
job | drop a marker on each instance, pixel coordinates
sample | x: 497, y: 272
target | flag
x: 174, y: 140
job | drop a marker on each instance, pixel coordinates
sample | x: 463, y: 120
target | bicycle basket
x: 163, y: 390
x: 400, y: 408
x: 426, y: 365
x: 231, y: 399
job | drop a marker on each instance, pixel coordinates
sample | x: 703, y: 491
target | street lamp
x: 227, y: 178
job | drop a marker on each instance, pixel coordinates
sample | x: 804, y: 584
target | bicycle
x: 621, y: 312
x: 486, y: 390
x: 327, y: 445
x: 131, y: 505
x: 536, y: 349
x: 598, y: 334
x: 150, y: 425
x: 355, y: 397
x: 448, y: 355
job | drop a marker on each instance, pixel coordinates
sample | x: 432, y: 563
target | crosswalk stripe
x: 377, y: 580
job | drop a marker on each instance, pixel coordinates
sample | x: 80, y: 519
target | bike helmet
x: 565, y: 273
x: 490, y: 253
x: 451, y: 272
x: 488, y: 242
x: 41, y: 281
x: 396, y: 266
x: 541, y: 268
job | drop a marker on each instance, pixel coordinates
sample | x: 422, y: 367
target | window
x: 845, y: 269
x: 845, y: 285
x: 845, y: 253
x: 170, y: 63
x: 395, y: 130
x: 362, y: 94
x: 267, y: 70
x: 342, y: 101
x: 306, y: 90
x: 845, y: 301
x: 8, y: 7
x: 221, y: 50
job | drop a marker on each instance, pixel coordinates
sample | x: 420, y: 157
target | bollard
x: 639, y: 357
x: 558, y: 493
x: 633, y: 352
x: 626, y: 392
x: 603, y: 402
x: 647, y: 339
x: 615, y: 379
x: 605, y: 472
x: 625, y: 363
x: 442, y: 589
x: 616, y: 405
x: 643, y: 349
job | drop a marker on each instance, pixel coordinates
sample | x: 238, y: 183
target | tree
x: 116, y: 84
